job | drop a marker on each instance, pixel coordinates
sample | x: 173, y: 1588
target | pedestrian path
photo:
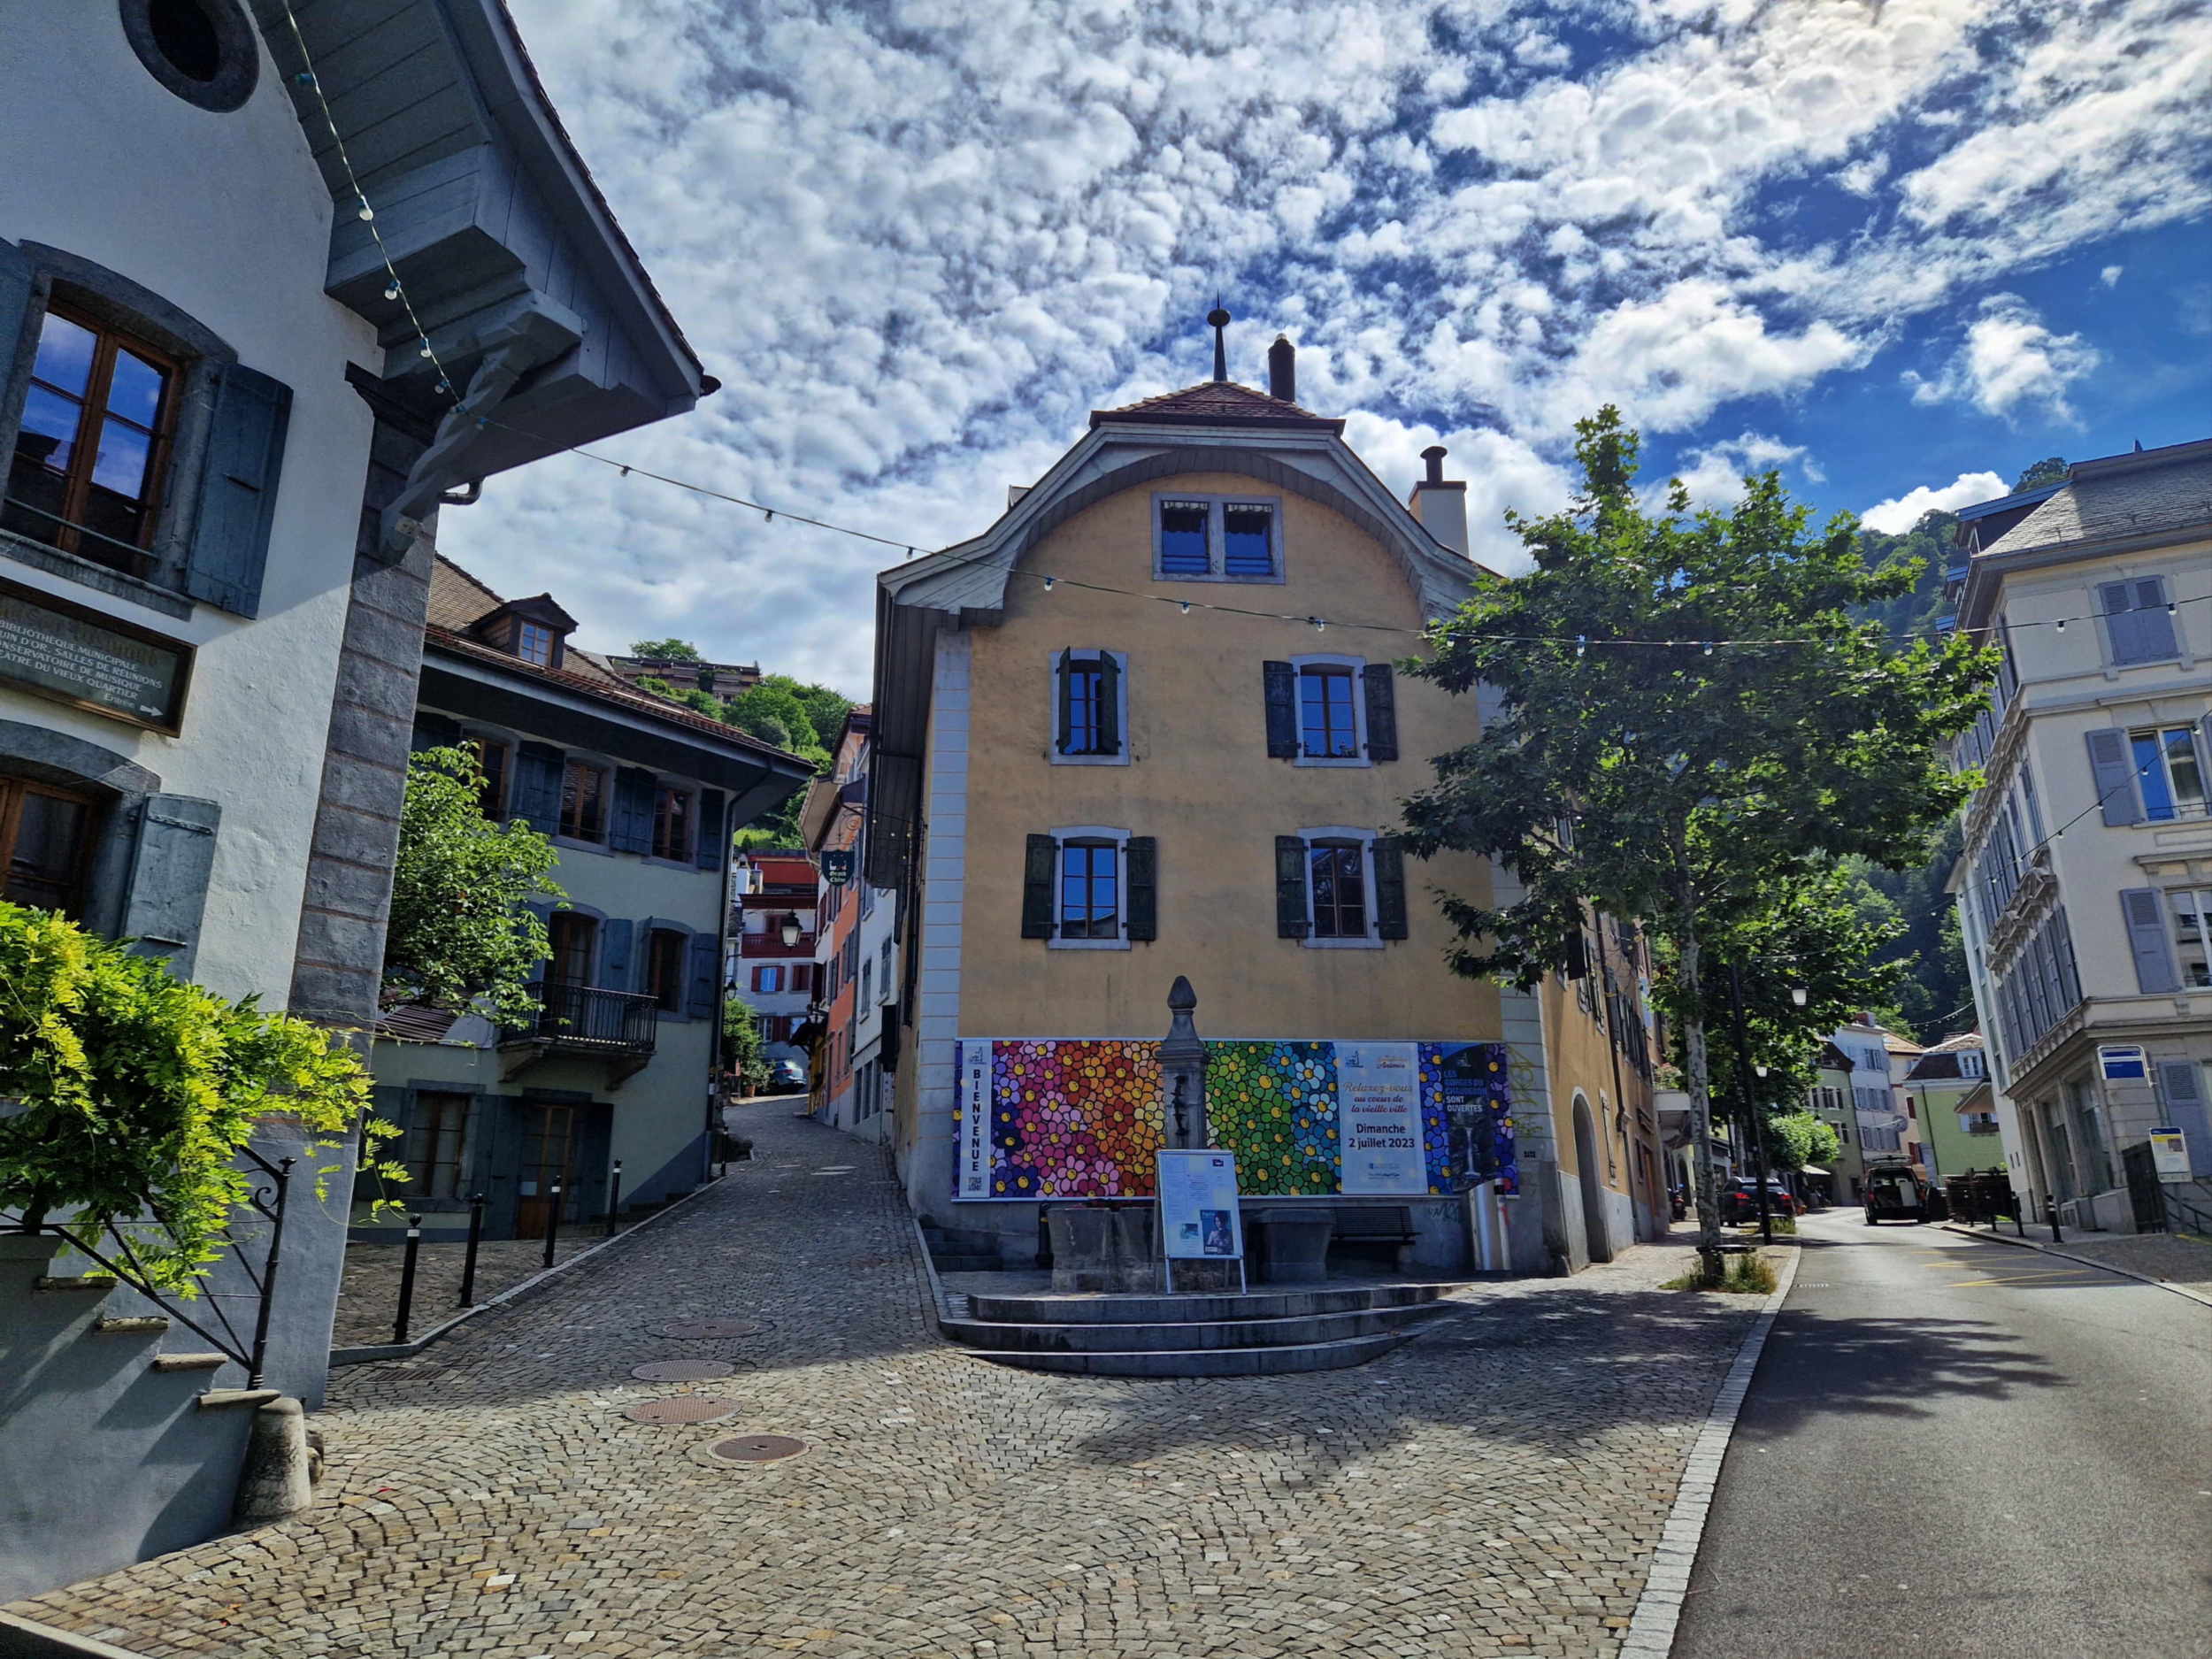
x: 1497, y: 1486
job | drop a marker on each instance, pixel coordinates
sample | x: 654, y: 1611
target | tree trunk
x: 1688, y: 968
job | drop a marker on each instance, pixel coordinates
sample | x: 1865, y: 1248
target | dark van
x: 1895, y: 1192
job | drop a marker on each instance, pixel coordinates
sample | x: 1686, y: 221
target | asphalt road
x: 1960, y: 1448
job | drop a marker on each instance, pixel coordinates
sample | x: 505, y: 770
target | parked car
x: 1739, y: 1201
x: 786, y: 1077
x: 1897, y: 1191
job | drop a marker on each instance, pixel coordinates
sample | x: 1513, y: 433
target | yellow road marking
x: 2078, y: 1275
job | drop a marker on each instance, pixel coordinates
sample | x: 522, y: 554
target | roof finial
x: 1219, y: 321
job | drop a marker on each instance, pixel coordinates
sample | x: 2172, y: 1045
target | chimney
x: 1440, y: 504
x: 1282, y: 370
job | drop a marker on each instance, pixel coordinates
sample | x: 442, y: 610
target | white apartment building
x: 2086, y: 881
x: 1878, y: 1059
x: 772, y: 896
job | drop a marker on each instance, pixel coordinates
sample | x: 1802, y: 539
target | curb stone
x: 2086, y: 1261
x: 1659, y: 1608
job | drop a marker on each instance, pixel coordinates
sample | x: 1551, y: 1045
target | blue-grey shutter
x: 1382, y: 711
x: 2136, y: 620
x: 1140, y: 861
x: 238, y: 488
x: 714, y: 841
x: 17, y: 282
x: 1279, y: 686
x: 2181, y: 1085
x: 1290, y: 913
x: 536, y: 795
x: 1041, y: 865
x: 1109, y: 704
x: 169, y: 871
x: 2112, y: 774
x: 703, y: 976
x: 614, y: 954
x: 633, y: 798
x: 2144, y: 912
x: 434, y: 731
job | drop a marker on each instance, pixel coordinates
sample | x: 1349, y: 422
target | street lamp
x: 1799, y: 995
x: 790, y: 932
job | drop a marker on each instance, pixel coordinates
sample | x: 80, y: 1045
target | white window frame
x: 1119, y: 840
x: 1216, y: 546
x: 2156, y: 732
x: 1366, y: 837
x: 1121, y: 709
x: 2200, y: 902
x: 1325, y: 659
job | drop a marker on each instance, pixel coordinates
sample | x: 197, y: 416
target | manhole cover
x: 682, y: 1371
x: 711, y: 1327
x: 682, y: 1408
x: 758, y: 1448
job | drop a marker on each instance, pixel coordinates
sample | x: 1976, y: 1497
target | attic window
x: 1217, y: 539
x: 533, y: 643
x: 203, y: 50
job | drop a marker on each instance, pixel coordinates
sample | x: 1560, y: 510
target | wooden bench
x: 1390, y: 1226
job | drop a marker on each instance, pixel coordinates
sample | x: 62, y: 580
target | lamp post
x: 789, y: 931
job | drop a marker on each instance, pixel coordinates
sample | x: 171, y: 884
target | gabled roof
x: 1210, y: 402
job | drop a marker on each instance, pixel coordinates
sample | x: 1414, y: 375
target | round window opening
x: 203, y: 50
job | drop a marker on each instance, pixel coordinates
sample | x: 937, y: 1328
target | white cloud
x: 1899, y: 514
x: 2007, y: 360
x: 918, y: 244
x: 2110, y: 275
x: 1714, y: 475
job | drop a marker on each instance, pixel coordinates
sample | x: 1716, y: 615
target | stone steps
x: 1262, y: 1333
x: 966, y: 1263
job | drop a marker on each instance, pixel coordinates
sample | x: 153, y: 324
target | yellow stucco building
x: 1149, y: 724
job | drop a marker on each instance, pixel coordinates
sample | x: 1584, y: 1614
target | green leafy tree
x: 1693, y: 780
x: 459, y: 936
x: 1795, y: 1140
x: 666, y: 650
x: 743, y: 1050
x: 771, y: 703
x: 2050, y: 470
x: 132, y: 1093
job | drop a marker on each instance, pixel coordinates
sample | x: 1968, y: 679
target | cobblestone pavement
x: 369, y: 1299
x: 1495, y: 1487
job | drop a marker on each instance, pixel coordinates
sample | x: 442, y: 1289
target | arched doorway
x: 1586, y: 1155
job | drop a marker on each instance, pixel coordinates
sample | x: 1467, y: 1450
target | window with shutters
x: 672, y: 823
x: 1337, y: 887
x: 573, y: 936
x: 1328, y: 718
x: 2170, y: 771
x: 434, y: 1145
x: 768, y: 979
x: 490, y: 755
x: 1090, y: 703
x: 664, y: 949
x: 584, y: 802
x: 2139, y: 620
x: 1336, y: 872
x: 1090, y: 891
x: 2191, y: 909
x: 1331, y: 710
x: 91, y: 450
x: 44, y: 833
x: 1089, y: 887
x: 1217, y: 539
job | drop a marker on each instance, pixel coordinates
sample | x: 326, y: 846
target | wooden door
x: 548, y: 1154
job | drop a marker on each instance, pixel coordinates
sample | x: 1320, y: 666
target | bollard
x: 2020, y: 1216
x: 552, y: 1223
x: 2050, y: 1215
x: 468, y: 1261
x: 614, y: 1196
x: 407, y: 1279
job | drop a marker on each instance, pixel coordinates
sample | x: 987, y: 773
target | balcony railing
x: 585, y: 1019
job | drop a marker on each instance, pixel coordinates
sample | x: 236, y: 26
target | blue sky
x: 1898, y: 252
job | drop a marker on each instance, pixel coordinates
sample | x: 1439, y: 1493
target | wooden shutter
x: 434, y: 731
x: 701, y: 978
x: 17, y: 282
x: 2144, y: 912
x: 2181, y: 1085
x: 713, y: 840
x: 1382, y: 711
x: 229, y: 544
x: 615, y: 934
x: 1390, y: 888
x: 2154, y: 629
x: 536, y: 795
x: 635, y: 795
x: 1290, y: 915
x: 1109, y: 704
x: 1041, y: 863
x: 1140, y: 876
x: 169, y: 871
x: 1063, y: 702
x: 1281, y: 688
x: 2112, y: 774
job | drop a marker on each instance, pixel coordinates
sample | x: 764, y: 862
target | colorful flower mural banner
x: 1041, y: 1117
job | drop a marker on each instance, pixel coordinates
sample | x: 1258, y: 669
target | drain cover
x: 758, y: 1448
x: 682, y: 1408
x: 682, y: 1371
x: 711, y: 1327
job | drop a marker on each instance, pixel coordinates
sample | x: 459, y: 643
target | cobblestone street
x: 1497, y: 1486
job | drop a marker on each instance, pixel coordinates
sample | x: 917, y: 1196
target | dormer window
x: 534, y: 643
x: 1216, y: 539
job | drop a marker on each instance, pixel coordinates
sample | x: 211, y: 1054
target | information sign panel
x: 91, y: 661
x: 2170, y: 1154
x: 1199, y: 1218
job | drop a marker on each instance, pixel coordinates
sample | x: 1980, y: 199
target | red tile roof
x: 1211, y: 403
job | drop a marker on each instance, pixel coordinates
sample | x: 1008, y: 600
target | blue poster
x: 1467, y: 1112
